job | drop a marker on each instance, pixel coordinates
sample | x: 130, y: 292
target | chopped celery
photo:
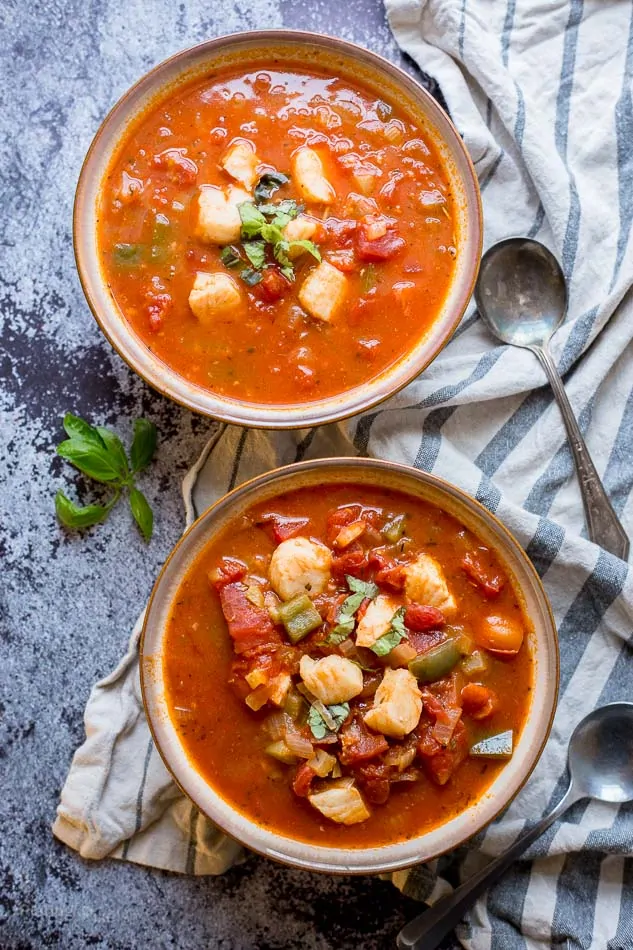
x: 300, y: 617
x: 473, y: 664
x: 437, y: 662
x: 395, y: 529
x: 128, y: 255
x: 295, y: 705
x: 494, y: 747
x: 280, y: 751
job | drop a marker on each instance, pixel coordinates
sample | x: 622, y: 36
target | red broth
x: 205, y: 669
x: 386, y: 234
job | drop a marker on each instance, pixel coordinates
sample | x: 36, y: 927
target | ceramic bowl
x: 308, y: 49
x: 542, y: 640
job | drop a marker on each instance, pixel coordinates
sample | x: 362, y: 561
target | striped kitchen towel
x: 541, y: 92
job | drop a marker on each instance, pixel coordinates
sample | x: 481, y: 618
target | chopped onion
x: 275, y: 726
x: 322, y: 762
x: 255, y: 595
x: 411, y: 775
x: 337, y: 771
x: 443, y: 731
x: 297, y: 743
x: 401, y: 654
x: 400, y: 757
x: 257, y: 699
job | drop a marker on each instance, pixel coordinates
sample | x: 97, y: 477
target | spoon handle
x: 427, y: 930
x: 602, y: 522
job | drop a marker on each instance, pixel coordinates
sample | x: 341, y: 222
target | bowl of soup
x: 277, y: 229
x: 349, y: 665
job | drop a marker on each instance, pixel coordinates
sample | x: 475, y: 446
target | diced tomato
x: 343, y: 260
x: 353, y: 561
x: 373, y: 778
x: 273, y: 285
x: 158, y: 306
x: 284, y: 527
x: 358, y: 744
x: 182, y: 170
x: 302, y: 782
x: 390, y: 574
x: 339, y: 518
x: 249, y: 626
x: 381, y: 249
x: 441, y: 765
x: 339, y: 232
x: 420, y: 618
x: 428, y: 744
x: 478, y: 700
x: 424, y: 640
x: 485, y: 576
x: 228, y: 571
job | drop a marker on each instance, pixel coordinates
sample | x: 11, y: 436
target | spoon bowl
x: 601, y: 754
x: 600, y: 760
x: 521, y: 292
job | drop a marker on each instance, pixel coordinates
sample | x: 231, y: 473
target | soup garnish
x: 277, y: 235
x: 352, y: 662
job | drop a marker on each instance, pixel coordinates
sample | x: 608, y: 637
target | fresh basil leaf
x: 339, y: 713
x: 317, y: 724
x: 268, y: 184
x: 76, y: 516
x: 288, y: 206
x: 341, y: 631
x: 281, y: 219
x: 396, y: 633
x: 288, y: 272
x: 91, y: 459
x: 252, y: 219
x: 308, y: 246
x: 230, y: 256
x: 366, y: 588
x: 143, y: 444
x: 81, y: 430
x: 271, y: 234
x: 250, y: 276
x: 143, y: 514
x: 115, y: 447
x: 256, y: 253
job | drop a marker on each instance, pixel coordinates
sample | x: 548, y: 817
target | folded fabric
x: 541, y: 93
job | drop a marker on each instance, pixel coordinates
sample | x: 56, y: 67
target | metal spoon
x: 600, y: 762
x: 521, y: 295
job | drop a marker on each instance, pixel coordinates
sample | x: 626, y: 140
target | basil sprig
x: 319, y: 727
x: 99, y: 454
x: 394, y: 635
x: 346, y: 620
x: 262, y: 235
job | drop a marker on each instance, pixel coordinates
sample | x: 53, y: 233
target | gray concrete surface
x: 68, y: 603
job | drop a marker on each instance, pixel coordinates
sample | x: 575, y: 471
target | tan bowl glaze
x: 307, y: 49
x: 543, y: 643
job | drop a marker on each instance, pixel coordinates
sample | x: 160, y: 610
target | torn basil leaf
x: 256, y: 253
x: 230, y: 256
x: 396, y: 633
x: 268, y: 184
x: 252, y: 220
x: 318, y: 726
x: 250, y: 276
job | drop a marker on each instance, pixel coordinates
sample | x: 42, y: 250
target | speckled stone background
x: 68, y: 603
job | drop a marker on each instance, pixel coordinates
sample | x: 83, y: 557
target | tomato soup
x: 278, y: 235
x: 348, y: 666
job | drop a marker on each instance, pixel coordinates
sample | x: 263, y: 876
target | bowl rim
x: 158, y: 374
x: 329, y: 863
